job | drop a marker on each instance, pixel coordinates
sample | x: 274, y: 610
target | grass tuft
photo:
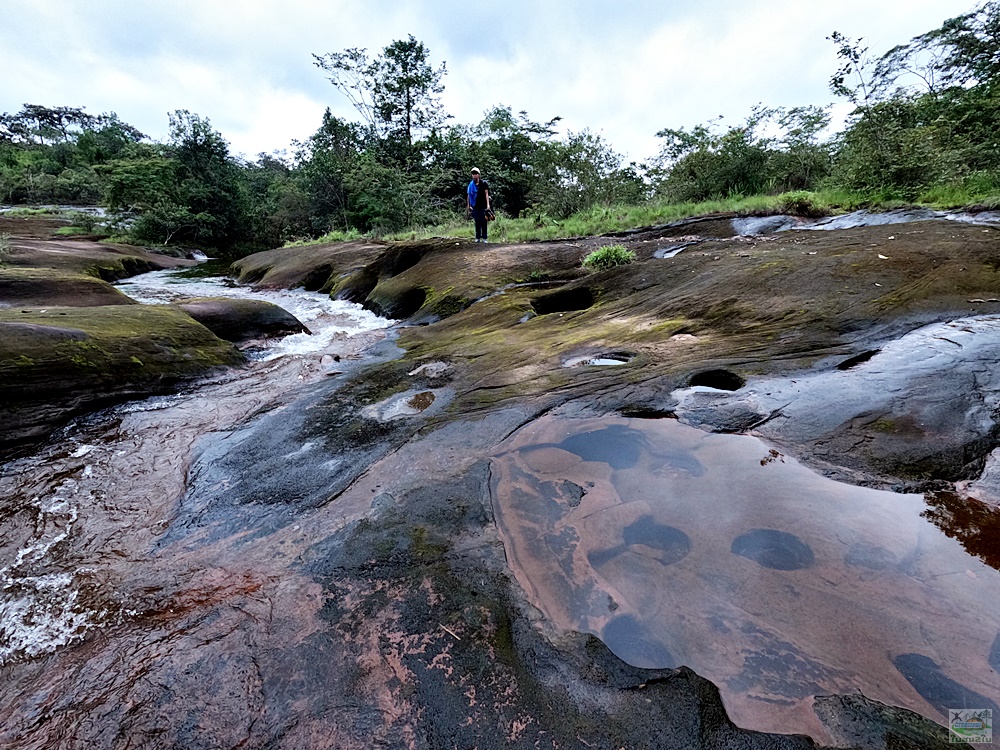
x: 608, y: 257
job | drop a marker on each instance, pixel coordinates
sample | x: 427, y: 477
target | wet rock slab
x: 30, y: 287
x: 920, y: 406
x: 719, y: 553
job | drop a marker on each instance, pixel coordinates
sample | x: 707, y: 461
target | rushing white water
x: 63, y: 509
x: 328, y: 319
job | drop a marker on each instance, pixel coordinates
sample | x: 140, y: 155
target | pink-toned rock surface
x: 638, y: 545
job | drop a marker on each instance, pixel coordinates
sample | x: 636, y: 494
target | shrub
x: 608, y: 257
x: 800, y: 203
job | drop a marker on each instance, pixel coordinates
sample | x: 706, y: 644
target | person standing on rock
x: 479, y: 204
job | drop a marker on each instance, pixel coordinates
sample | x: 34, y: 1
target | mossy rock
x: 106, y: 261
x: 40, y: 287
x: 240, y: 320
x: 60, y: 362
x: 312, y: 267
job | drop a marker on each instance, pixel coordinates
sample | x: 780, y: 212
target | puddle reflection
x: 676, y: 546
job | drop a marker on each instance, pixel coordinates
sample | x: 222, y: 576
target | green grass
x: 28, y: 211
x: 979, y: 191
x: 334, y: 236
x: 5, y: 250
x: 608, y: 257
x: 604, y: 219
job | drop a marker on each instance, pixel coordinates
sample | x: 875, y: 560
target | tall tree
x: 963, y: 51
x: 397, y: 93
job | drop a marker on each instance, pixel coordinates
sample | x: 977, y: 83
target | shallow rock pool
x: 680, y: 547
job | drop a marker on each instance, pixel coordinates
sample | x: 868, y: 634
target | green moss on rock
x: 62, y: 361
x: 40, y: 287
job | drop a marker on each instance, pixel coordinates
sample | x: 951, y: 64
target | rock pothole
x: 565, y: 300
x: 611, y: 359
x: 857, y: 359
x: 777, y: 550
x: 720, y: 380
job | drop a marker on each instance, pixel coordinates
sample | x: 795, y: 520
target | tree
x: 325, y: 161
x: 513, y: 151
x: 927, y: 111
x: 396, y: 93
x: 36, y: 125
x: 963, y: 51
x: 187, y: 190
x: 708, y: 162
x: 801, y: 159
x: 584, y: 171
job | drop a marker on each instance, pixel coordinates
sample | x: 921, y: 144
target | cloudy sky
x: 622, y: 68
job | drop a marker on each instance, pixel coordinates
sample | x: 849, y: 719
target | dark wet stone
x: 35, y: 332
x: 566, y: 492
x: 773, y: 549
x: 241, y: 319
x: 870, y: 556
x: 994, y: 657
x: 641, y: 412
x: 630, y: 642
x: 617, y: 446
x: 857, y: 721
x: 674, y: 543
x: 778, y: 671
x: 399, y: 306
x: 21, y: 287
x: 936, y: 687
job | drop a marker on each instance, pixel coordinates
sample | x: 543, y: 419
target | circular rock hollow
x: 870, y: 556
x: 600, y: 360
x: 777, y: 550
x: 615, y: 445
x: 565, y: 300
x: 399, y: 307
x: 673, y: 544
x: 630, y: 642
x: 720, y: 380
x: 857, y: 359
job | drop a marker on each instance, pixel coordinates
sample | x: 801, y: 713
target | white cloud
x: 624, y: 69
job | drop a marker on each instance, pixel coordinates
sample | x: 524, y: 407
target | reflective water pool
x: 677, y: 546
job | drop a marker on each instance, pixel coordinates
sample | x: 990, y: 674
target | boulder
x: 239, y: 320
x: 62, y: 361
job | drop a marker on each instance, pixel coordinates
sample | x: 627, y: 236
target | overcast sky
x: 623, y: 69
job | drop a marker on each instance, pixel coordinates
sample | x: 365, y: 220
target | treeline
x: 925, y: 127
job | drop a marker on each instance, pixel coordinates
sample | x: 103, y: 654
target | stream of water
x: 84, y: 507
